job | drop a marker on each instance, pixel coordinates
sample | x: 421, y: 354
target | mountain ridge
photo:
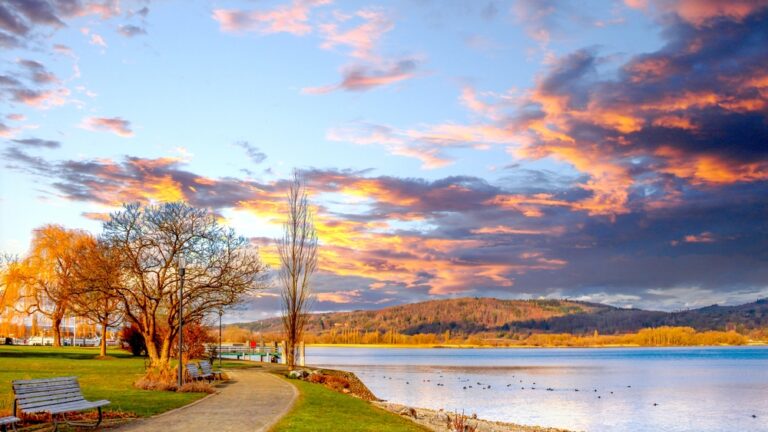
x: 505, y: 318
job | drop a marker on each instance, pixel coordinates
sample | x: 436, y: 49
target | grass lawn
x: 99, y: 379
x: 322, y: 409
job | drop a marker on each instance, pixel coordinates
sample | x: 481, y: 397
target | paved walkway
x: 255, y: 401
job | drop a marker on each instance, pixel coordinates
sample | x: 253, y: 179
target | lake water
x: 694, y: 389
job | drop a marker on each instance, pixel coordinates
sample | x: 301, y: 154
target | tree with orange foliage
x: 95, y: 289
x: 45, y: 276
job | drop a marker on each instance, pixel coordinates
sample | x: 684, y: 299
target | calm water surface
x: 695, y: 389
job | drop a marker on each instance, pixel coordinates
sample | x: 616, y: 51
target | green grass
x: 110, y: 379
x: 322, y: 409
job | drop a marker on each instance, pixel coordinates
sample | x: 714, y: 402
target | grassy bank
x: 110, y: 379
x: 322, y: 409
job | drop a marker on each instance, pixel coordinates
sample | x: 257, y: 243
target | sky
x: 605, y: 151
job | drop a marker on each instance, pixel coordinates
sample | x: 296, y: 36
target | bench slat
x: 78, y: 407
x: 48, y: 403
x: 54, y: 392
x: 44, y: 380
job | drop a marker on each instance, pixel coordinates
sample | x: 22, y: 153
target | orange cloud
x: 704, y: 169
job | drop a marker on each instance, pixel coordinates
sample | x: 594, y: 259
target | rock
x: 408, y: 411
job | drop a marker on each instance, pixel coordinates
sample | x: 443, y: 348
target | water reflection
x: 709, y: 389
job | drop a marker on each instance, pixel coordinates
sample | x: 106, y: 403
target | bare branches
x: 298, y: 259
x: 148, y: 241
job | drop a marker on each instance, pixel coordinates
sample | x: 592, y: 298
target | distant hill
x: 469, y: 316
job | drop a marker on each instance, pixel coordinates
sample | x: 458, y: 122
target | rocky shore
x: 438, y: 421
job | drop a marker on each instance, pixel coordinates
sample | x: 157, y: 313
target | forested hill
x: 482, y: 315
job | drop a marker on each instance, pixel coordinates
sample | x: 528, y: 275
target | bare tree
x: 149, y: 240
x: 298, y: 259
x: 95, y: 294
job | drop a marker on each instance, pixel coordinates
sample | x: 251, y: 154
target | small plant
x: 459, y: 423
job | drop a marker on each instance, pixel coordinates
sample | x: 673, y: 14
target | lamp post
x: 221, y: 312
x: 182, y: 270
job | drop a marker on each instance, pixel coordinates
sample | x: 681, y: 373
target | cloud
x: 362, y: 40
x: 37, y: 142
x: 130, y: 30
x: 116, y: 125
x: 25, y: 20
x: 415, y: 238
x: 98, y: 40
x: 254, y: 154
x: 292, y: 18
x: 363, y: 78
x: 37, y: 72
x: 702, y: 12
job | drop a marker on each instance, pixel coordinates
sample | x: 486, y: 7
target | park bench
x: 55, y: 396
x: 196, y: 374
x: 206, y: 367
x: 8, y: 421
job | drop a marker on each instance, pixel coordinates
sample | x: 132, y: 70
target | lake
x: 694, y: 389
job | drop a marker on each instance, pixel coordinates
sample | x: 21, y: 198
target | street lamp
x: 221, y: 312
x: 182, y: 269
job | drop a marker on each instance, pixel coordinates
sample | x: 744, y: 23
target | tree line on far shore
x: 658, y: 336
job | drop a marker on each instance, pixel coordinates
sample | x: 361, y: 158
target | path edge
x: 287, y: 409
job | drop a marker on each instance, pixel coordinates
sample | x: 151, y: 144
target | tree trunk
x: 57, y: 331
x: 165, y: 351
x: 149, y: 342
x: 103, y: 346
x: 290, y: 351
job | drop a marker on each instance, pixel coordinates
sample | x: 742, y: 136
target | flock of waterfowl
x: 532, y: 386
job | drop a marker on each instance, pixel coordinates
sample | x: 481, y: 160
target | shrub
x: 336, y: 383
x: 316, y: 378
x: 133, y: 338
x: 197, y: 387
x: 163, y: 378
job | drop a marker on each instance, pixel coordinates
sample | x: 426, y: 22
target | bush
x: 316, y: 378
x: 336, y: 383
x: 134, y: 339
x: 197, y: 387
x: 163, y: 378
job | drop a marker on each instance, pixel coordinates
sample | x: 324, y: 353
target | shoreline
x: 434, y: 420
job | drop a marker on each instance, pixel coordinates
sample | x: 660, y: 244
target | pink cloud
x: 362, y: 39
x: 699, y: 12
x: 116, y: 125
x: 362, y: 78
x: 293, y: 18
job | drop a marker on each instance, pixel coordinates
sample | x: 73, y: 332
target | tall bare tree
x: 298, y: 258
x: 95, y: 294
x: 149, y: 240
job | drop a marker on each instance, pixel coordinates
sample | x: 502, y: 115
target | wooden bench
x: 196, y: 374
x: 55, y: 396
x: 8, y: 421
x: 206, y: 367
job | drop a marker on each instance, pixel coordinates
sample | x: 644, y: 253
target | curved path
x: 252, y: 401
